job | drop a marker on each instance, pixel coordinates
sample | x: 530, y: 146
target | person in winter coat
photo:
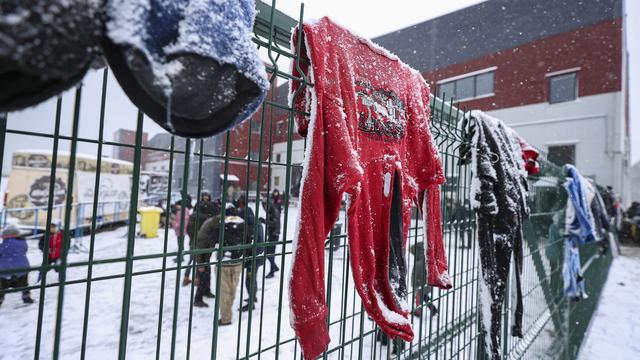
x: 251, y: 266
x: 176, y: 229
x: 273, y: 235
x: 231, y: 260
x: 54, y: 249
x: 277, y: 200
x: 13, y: 256
x: 204, y: 209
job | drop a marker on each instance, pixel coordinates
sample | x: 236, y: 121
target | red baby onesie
x: 367, y: 136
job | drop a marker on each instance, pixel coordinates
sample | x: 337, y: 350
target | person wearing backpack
x: 231, y: 259
x: 54, y: 250
x: 13, y: 256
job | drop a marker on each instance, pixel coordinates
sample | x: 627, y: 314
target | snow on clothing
x: 499, y: 196
x: 45, y: 48
x: 579, y: 220
x: 13, y: 255
x: 367, y: 136
x: 208, y: 238
x: 190, y: 65
x: 234, y: 235
x: 529, y: 154
x: 579, y: 229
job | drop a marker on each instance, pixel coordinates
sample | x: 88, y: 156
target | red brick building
x: 554, y: 70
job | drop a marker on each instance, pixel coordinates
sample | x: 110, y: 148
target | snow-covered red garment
x: 529, y: 153
x: 530, y: 157
x: 367, y: 136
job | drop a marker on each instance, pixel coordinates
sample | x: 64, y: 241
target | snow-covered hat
x: 190, y: 65
x: 10, y: 231
x: 45, y: 48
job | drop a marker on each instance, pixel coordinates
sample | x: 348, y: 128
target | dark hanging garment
x: 499, y: 196
x: 46, y: 47
x: 190, y: 65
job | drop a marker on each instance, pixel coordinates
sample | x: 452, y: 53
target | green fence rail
x: 123, y: 296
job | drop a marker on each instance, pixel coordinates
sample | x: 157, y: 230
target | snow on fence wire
x: 124, y: 297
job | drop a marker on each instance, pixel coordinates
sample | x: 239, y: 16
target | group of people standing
x: 240, y: 246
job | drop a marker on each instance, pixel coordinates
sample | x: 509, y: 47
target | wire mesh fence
x: 117, y: 292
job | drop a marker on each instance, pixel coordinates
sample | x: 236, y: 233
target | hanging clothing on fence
x: 499, y: 196
x: 190, y: 65
x: 367, y: 136
x: 529, y: 153
x: 579, y: 229
x: 46, y: 47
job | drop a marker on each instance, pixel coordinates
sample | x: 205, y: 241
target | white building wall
x: 593, y: 123
x: 160, y: 165
x: 279, y: 172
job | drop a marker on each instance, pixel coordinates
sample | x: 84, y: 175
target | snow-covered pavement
x: 18, y: 322
x: 615, y: 328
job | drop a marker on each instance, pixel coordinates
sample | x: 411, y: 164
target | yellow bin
x: 149, y: 221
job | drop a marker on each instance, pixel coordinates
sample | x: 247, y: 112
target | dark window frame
x: 256, y: 126
x: 550, y: 88
x: 475, y: 95
x: 551, y: 155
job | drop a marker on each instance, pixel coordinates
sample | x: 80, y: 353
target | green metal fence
x: 123, y: 296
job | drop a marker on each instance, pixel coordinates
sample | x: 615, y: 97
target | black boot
x: 247, y: 307
x: 272, y: 272
x: 201, y: 304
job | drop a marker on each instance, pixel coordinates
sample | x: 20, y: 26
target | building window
x: 562, y: 154
x: 563, y: 87
x: 281, y: 127
x: 254, y: 155
x: 256, y: 126
x: 278, y: 157
x: 468, y: 87
x: 276, y: 181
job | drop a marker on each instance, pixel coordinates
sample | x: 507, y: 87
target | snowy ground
x: 615, y: 329
x: 18, y: 322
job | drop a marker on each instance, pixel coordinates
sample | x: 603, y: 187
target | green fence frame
x: 554, y: 328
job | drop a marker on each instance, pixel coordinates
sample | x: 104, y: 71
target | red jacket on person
x: 367, y: 136
x: 55, y: 246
